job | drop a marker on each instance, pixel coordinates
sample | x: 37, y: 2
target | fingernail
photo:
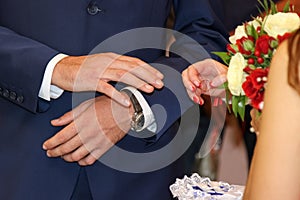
x: 220, y: 101
x: 44, y: 147
x: 195, y: 99
x: 193, y: 88
x: 197, y: 83
x: 159, y: 82
x: 160, y: 75
x: 48, y: 154
x: 149, y: 87
x: 201, y: 102
x: 213, y: 84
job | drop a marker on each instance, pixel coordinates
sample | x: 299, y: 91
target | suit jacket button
x: 5, y: 93
x: 12, y: 95
x: 1, y: 90
x: 20, y: 99
x: 93, y: 9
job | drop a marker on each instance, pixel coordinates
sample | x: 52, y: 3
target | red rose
x: 263, y: 44
x: 259, y: 77
x: 254, y: 86
x: 249, y: 88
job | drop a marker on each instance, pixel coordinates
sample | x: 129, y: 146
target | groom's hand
x: 93, y: 72
x: 92, y: 129
x: 204, y: 77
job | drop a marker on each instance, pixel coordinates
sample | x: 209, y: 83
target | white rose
x: 281, y: 23
x: 240, y: 32
x: 235, y: 74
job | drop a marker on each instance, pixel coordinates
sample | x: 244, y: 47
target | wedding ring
x: 204, y: 85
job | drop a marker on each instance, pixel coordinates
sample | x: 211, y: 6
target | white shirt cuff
x: 47, y: 90
x: 149, y: 123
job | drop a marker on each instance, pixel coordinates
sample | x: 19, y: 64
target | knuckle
x: 61, y: 138
x: 105, y: 88
x: 75, y: 157
x: 63, y: 150
x: 120, y: 74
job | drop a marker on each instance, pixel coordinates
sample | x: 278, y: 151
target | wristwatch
x: 138, y: 118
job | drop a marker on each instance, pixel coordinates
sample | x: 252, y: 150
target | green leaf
x: 286, y: 7
x: 273, y: 8
x: 274, y: 44
x: 259, y: 10
x: 224, y: 56
x: 235, y: 102
x: 228, y: 95
x: 266, y: 6
x: 225, y: 85
x: 250, y: 30
x: 241, y: 107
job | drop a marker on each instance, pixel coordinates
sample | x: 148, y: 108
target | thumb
x: 71, y: 115
x: 219, y: 80
x: 63, y: 120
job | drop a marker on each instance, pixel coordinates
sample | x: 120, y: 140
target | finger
x: 129, y: 78
x: 61, y: 137
x: 76, y: 155
x: 139, y: 69
x: 252, y: 113
x: 65, y: 148
x: 195, y: 97
x: 91, y: 158
x: 111, y: 92
x: 209, y: 67
x: 63, y: 120
x: 187, y: 83
x: 71, y: 115
x: 145, y: 65
x: 204, y: 67
x: 193, y: 76
x: 219, y: 80
x: 252, y: 123
x: 142, y: 72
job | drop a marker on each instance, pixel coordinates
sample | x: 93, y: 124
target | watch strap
x: 149, y: 123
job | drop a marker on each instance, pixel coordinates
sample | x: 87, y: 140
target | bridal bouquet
x: 250, y: 52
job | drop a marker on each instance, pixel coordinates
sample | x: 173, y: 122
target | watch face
x: 138, y: 122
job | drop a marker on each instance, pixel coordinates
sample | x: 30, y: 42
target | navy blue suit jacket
x: 31, y: 33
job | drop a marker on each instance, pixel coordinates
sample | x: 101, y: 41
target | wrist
x: 65, y: 71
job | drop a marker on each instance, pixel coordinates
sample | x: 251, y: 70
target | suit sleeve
x: 198, y: 32
x: 23, y: 62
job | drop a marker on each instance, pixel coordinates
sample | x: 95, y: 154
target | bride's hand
x: 204, y: 77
